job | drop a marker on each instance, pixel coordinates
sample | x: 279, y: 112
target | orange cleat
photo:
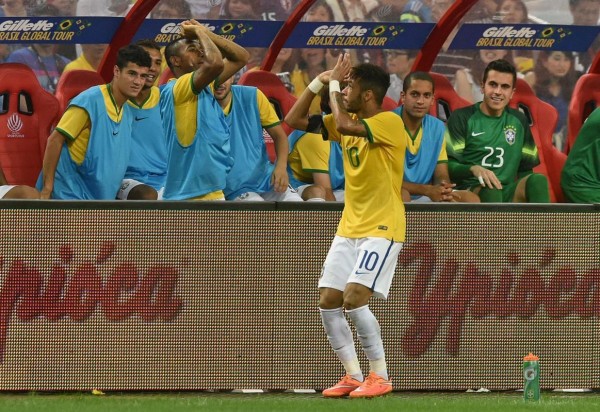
x: 373, y: 386
x: 342, y: 388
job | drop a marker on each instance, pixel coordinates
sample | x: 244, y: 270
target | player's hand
x: 280, y: 179
x: 325, y: 77
x: 45, y: 193
x: 191, y: 29
x: 486, y: 177
x: 441, y: 192
x: 342, y: 68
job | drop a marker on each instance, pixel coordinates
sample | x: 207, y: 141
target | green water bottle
x: 531, y: 375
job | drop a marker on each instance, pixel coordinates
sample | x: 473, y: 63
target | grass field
x: 288, y: 402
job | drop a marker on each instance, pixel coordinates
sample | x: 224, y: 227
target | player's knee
x: 469, y: 197
x: 356, y: 296
x: 490, y: 195
x: 142, y: 192
x: 330, y: 298
x: 314, y: 192
x: 536, y: 188
x: 22, y: 192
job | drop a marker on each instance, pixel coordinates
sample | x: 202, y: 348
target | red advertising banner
x: 178, y: 299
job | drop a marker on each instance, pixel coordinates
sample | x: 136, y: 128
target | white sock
x: 340, y: 338
x: 369, y: 334
x: 316, y: 199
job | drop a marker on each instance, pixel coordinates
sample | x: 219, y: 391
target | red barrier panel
x: 222, y: 299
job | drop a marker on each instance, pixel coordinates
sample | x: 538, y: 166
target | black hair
x: 417, y: 76
x: 501, y: 66
x: 172, y: 49
x: 372, y: 77
x: 133, y: 53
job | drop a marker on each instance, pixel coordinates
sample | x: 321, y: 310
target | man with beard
x: 364, y: 253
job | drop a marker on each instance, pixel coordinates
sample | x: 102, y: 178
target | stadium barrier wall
x: 186, y: 296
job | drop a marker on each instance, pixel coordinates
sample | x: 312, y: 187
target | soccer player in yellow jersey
x: 363, y: 256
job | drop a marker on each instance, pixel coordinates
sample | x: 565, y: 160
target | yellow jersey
x: 374, y: 167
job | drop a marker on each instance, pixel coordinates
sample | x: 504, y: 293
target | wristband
x: 316, y: 85
x: 334, y: 86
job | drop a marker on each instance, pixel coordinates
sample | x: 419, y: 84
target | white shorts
x: 421, y: 199
x: 369, y: 261
x: 5, y: 189
x: 128, y: 184
x: 290, y: 195
x: 338, y: 194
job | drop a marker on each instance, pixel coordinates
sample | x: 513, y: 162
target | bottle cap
x: 531, y: 357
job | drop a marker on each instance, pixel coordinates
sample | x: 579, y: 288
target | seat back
x: 165, y: 76
x: 585, y: 98
x: 542, y: 119
x: 446, y: 100
x: 274, y: 89
x: 72, y: 83
x: 27, y: 115
x: 388, y: 103
x: 281, y: 99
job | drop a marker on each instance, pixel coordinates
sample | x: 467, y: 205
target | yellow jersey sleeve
x: 314, y: 153
x: 443, y: 158
x: 378, y: 131
x: 75, y: 126
x: 185, y: 99
x: 268, y: 116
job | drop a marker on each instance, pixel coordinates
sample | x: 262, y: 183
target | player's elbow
x: 243, y: 57
x: 293, y: 121
x: 345, y: 129
x: 216, y: 68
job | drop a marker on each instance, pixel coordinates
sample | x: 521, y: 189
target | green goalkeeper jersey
x: 502, y: 144
x: 581, y: 174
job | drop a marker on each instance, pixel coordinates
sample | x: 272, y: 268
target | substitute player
x: 363, y: 255
x: 252, y: 176
x: 315, y: 166
x: 580, y: 178
x: 490, y: 148
x: 194, y: 123
x: 87, y: 154
x: 147, y: 170
x: 426, y: 177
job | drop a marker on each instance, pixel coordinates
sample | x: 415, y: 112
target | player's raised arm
x: 345, y: 123
x: 234, y: 56
x: 298, y: 117
x: 210, y: 62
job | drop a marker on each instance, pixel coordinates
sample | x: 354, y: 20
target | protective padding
x: 542, y: 121
x: 72, y: 83
x: 446, y: 100
x: 585, y: 98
